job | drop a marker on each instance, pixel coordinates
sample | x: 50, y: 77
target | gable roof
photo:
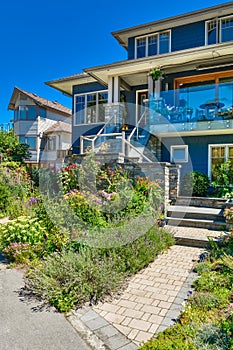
x: 59, y: 127
x: 40, y: 101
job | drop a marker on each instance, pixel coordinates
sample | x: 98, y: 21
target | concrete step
x: 198, y: 242
x: 217, y: 203
x: 194, y: 236
x: 189, y: 212
x: 200, y: 223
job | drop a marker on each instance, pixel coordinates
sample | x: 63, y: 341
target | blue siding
x: 182, y: 38
x: 89, y: 87
x: 131, y: 48
x: 188, y: 36
x: 198, y: 150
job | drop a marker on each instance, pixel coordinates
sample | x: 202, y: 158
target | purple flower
x: 33, y: 200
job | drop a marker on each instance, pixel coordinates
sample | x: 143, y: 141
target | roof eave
x: 189, y: 17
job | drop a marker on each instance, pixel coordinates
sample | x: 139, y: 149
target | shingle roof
x: 59, y: 126
x: 39, y: 101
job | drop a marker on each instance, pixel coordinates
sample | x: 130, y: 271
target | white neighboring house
x: 42, y: 124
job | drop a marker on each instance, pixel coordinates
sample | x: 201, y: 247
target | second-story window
x: 151, y: 45
x: 29, y: 140
x: 219, y: 30
x: 29, y: 113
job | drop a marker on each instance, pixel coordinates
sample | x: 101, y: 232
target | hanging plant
x: 156, y: 73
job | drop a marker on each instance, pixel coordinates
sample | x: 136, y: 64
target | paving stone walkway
x: 151, y: 302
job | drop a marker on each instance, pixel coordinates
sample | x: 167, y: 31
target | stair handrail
x: 94, y: 137
x: 137, y: 126
x: 137, y: 150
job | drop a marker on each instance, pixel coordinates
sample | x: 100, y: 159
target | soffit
x: 133, y: 71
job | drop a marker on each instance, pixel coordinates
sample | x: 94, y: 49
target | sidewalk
x: 24, y: 326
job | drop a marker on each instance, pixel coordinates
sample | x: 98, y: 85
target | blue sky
x: 43, y: 40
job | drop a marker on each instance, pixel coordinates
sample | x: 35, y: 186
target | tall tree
x: 11, y: 149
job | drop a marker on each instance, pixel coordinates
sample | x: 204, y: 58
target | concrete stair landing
x: 196, y: 219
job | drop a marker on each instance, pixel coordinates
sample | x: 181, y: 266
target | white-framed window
x: 29, y: 140
x: 51, y: 143
x: 218, y: 154
x: 179, y: 154
x: 153, y: 44
x: 89, y: 107
x: 219, y: 30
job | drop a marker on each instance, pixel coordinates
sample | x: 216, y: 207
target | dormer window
x: 154, y: 44
x: 219, y: 30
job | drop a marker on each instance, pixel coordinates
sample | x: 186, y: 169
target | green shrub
x: 223, y: 179
x: 16, y: 188
x: 73, y: 277
x: 211, y: 337
x: 4, y: 198
x: 177, y: 337
x: 196, y: 184
x: 26, y: 237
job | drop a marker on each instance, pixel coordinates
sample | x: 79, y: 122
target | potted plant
x: 156, y: 73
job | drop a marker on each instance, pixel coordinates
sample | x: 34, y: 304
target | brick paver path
x: 142, y: 308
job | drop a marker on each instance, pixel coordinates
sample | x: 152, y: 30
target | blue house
x: 172, y: 94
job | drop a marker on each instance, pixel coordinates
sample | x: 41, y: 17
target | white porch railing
x: 119, y: 136
x: 136, y: 128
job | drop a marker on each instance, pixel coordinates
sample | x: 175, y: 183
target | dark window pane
x: 42, y: 113
x: 141, y: 47
x: 31, y: 141
x: 152, y: 45
x: 212, y: 32
x: 22, y: 139
x: 102, y: 100
x: 164, y: 42
x: 80, y: 109
x: 227, y: 29
x: 32, y: 112
x: 22, y: 113
x: 16, y: 114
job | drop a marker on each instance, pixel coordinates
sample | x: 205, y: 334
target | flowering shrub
x: 26, y: 237
x: 16, y: 187
x: 85, y: 206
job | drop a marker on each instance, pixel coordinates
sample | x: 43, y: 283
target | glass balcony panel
x: 194, y: 106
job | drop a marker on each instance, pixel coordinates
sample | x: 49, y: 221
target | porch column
x: 110, y: 90
x: 116, y: 96
x: 150, y: 87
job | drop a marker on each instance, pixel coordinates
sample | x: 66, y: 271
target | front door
x: 142, y: 99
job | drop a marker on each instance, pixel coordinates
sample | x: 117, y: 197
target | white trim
x: 226, y: 154
x: 85, y: 112
x: 110, y: 90
x: 218, y: 29
x: 158, y: 43
x: 174, y: 147
x: 136, y: 112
